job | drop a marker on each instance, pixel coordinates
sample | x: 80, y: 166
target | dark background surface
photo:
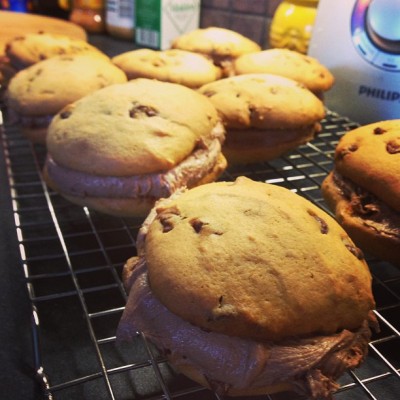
x: 15, y: 341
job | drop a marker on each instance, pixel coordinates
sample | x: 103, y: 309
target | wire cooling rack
x: 72, y: 260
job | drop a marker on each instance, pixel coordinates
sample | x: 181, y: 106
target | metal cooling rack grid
x: 72, y: 260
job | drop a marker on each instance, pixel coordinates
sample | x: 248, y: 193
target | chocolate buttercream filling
x: 162, y: 184
x: 375, y: 213
x: 310, y: 365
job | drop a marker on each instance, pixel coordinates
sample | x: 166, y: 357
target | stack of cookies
x: 178, y: 66
x: 52, y: 70
x: 291, y: 64
x: 265, y: 115
x: 24, y: 51
x: 121, y: 148
x: 268, y: 294
x: 363, y: 189
x: 273, y: 107
x: 242, y: 119
x: 146, y: 133
x: 38, y: 92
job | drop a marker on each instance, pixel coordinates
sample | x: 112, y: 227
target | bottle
x: 292, y: 24
x: 120, y: 18
x: 89, y: 14
x: 50, y: 8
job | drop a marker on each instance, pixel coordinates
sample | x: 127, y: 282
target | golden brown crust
x: 370, y: 157
x: 31, y: 48
x: 263, y: 101
x: 361, y: 228
x: 291, y: 64
x: 47, y: 86
x: 146, y: 127
x: 173, y: 65
x: 258, y: 262
x: 137, y: 207
x: 265, y: 115
x: 215, y: 41
x: 220, y: 44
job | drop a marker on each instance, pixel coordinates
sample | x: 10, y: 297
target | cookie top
x: 258, y: 261
x: 47, y: 86
x: 31, y: 48
x: 142, y: 126
x: 173, y: 65
x: 263, y: 101
x: 370, y: 157
x: 216, y: 42
x: 292, y: 64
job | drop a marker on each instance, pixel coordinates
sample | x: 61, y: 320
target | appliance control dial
x: 375, y: 29
x: 383, y: 24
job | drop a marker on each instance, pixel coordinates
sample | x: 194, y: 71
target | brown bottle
x: 89, y: 14
x: 51, y: 8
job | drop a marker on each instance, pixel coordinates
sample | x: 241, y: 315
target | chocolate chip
x: 352, y: 248
x: 344, y: 152
x: 323, y: 225
x: 273, y: 90
x: 158, y: 62
x: 65, y: 114
x: 356, y: 251
x: 252, y: 111
x: 393, y: 146
x: 353, y: 147
x: 379, y: 131
x: 140, y: 110
x: 166, y: 223
x: 209, y: 93
x: 168, y: 217
x: 196, y: 224
x: 37, y: 73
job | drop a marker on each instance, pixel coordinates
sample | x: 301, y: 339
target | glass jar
x: 292, y: 24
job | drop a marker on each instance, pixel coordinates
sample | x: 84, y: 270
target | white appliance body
x: 359, y: 41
